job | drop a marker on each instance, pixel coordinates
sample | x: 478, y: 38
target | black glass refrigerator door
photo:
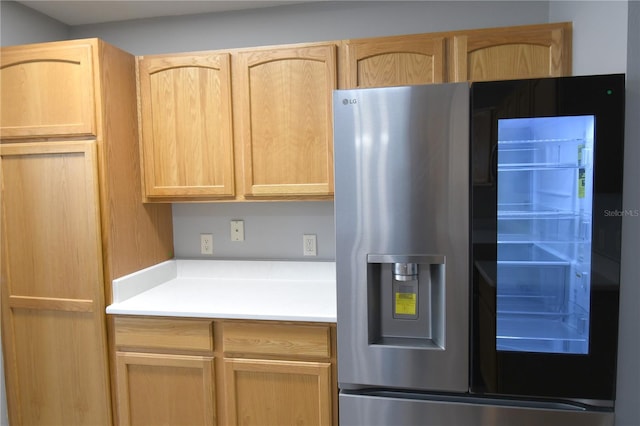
x: 547, y: 160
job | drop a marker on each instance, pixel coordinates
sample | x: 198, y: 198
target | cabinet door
x: 159, y: 389
x: 47, y: 90
x: 395, y: 61
x: 52, y: 287
x: 512, y: 53
x: 284, y: 116
x: 265, y: 392
x: 187, y: 145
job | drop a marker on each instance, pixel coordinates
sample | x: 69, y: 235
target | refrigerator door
x: 547, y: 161
x: 402, y: 224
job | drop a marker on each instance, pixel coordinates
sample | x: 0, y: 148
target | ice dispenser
x: 406, y: 300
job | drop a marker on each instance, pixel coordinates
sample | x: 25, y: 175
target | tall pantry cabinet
x: 72, y: 220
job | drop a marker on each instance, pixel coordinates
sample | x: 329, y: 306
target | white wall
x: 628, y: 385
x: 599, y: 34
x: 21, y: 25
x: 272, y: 230
x: 310, y: 22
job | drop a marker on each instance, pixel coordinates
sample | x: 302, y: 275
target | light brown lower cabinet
x: 164, y: 389
x: 180, y: 371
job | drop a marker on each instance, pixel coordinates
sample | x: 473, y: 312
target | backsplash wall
x: 272, y: 230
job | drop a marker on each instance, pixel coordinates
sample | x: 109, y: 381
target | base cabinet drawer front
x: 288, y: 340
x: 164, y: 334
x: 268, y: 392
x: 161, y: 389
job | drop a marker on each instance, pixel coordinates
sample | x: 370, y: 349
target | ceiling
x: 80, y: 12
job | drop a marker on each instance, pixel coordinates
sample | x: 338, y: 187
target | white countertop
x: 264, y: 290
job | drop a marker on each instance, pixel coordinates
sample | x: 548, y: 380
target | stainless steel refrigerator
x: 470, y: 288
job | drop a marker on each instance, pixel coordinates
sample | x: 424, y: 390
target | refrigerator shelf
x: 531, y: 167
x: 576, y: 141
x: 540, y: 214
x: 536, y: 306
x: 539, y: 335
x: 527, y: 253
x: 515, y: 238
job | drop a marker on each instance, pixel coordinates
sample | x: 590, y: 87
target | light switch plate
x: 237, y: 230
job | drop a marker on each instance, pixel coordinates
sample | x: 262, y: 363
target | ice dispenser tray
x: 406, y: 300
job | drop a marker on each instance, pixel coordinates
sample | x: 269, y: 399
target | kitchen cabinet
x: 165, y: 371
x: 256, y: 123
x: 52, y: 293
x: 268, y: 138
x: 512, y: 52
x: 394, y: 61
x: 279, y: 373
x: 186, y: 125
x: 231, y: 372
x: 47, y: 90
x: 474, y: 55
x: 283, y: 112
x: 72, y: 221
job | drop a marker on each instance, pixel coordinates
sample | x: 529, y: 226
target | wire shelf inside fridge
x: 532, y: 211
x: 540, y: 335
x: 536, y: 166
x: 519, y: 142
x: 543, y: 154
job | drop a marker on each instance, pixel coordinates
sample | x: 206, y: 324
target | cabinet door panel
x: 187, y: 145
x: 395, y: 61
x: 47, y: 91
x: 158, y: 389
x: 56, y: 352
x: 53, y: 310
x: 513, y: 52
x: 257, y: 391
x: 285, y: 116
x: 59, y: 179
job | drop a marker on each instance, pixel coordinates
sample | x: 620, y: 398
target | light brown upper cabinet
x: 283, y: 117
x: 394, y: 61
x: 47, y: 91
x: 512, y: 52
x: 186, y: 125
x: 256, y: 123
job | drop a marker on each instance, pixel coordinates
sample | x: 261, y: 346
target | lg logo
x: 349, y: 101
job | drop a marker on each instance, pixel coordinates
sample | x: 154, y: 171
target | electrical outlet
x: 309, y: 245
x: 206, y: 243
x: 237, y: 230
